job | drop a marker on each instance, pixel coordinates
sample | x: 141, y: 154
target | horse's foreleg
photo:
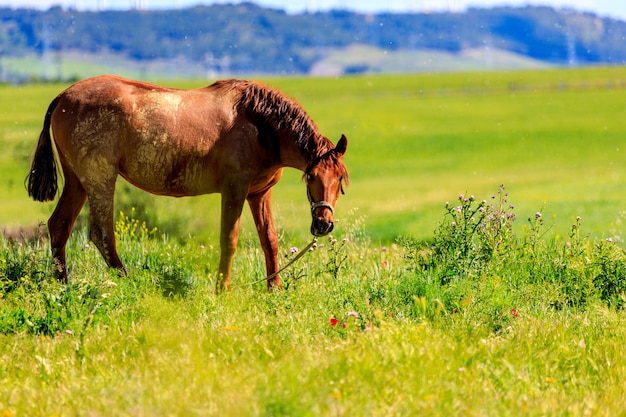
x: 261, y: 207
x: 232, y: 206
x: 101, y: 227
x: 62, y: 220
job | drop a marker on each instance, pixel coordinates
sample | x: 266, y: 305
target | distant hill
x: 249, y: 39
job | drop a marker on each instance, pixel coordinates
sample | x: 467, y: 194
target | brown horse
x: 233, y: 137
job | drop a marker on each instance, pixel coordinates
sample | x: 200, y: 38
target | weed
x: 472, y: 236
x: 609, y: 263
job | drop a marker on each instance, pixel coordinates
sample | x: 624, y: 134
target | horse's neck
x: 293, y: 155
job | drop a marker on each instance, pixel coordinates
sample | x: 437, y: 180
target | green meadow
x: 554, y: 138
x: 478, y: 267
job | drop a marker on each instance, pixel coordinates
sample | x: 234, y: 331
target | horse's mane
x: 278, y: 112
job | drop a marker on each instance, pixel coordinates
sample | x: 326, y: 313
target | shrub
x: 478, y: 267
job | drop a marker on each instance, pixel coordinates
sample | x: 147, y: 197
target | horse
x: 233, y: 137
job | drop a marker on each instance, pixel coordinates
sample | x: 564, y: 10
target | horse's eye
x: 310, y: 177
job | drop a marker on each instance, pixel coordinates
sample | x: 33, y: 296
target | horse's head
x: 324, y: 179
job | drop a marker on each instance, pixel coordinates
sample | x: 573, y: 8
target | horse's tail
x: 42, y: 178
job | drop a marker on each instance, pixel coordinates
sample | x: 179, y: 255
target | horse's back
x: 160, y: 139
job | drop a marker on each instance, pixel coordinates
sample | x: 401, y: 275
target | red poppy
x: 333, y: 321
x: 514, y: 312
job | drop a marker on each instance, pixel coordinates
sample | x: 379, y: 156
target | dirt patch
x: 24, y: 234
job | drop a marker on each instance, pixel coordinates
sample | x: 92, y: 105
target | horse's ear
x: 342, y: 145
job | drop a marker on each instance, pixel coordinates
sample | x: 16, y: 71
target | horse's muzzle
x: 321, y: 227
x: 322, y: 224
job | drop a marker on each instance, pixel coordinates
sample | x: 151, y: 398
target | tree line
x: 250, y: 38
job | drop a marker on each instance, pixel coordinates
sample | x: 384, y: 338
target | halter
x: 318, y: 204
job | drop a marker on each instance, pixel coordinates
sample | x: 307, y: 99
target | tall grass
x: 479, y: 321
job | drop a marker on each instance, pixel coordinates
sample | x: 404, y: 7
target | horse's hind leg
x: 102, y: 225
x: 62, y: 220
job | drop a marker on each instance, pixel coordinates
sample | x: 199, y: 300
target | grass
x: 359, y: 330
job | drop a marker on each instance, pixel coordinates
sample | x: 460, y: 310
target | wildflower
x: 333, y: 321
x: 384, y: 249
x: 344, y: 325
x: 69, y: 332
x: 459, y: 209
x: 352, y: 314
x: 514, y: 312
x: 610, y: 240
x: 537, y: 215
x: 293, y: 249
x: 385, y: 264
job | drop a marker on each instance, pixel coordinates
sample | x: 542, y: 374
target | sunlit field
x: 554, y: 138
x: 478, y: 267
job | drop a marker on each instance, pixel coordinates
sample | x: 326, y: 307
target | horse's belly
x: 166, y: 173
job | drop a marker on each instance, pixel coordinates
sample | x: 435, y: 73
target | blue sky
x: 613, y: 8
